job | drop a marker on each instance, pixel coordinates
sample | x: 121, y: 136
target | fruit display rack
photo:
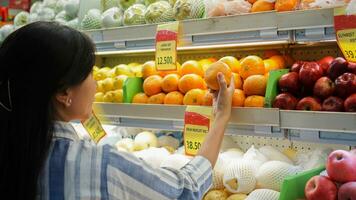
x: 305, y: 34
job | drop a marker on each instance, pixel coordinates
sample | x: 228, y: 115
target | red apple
x: 310, y: 73
x: 341, y: 166
x: 320, y: 188
x: 285, y: 101
x: 333, y: 104
x: 325, y: 63
x: 350, y: 103
x: 289, y: 83
x: 309, y: 103
x: 345, y: 85
x: 337, y: 67
x: 296, y: 66
x: 347, y: 191
x: 351, y: 67
x: 324, y: 87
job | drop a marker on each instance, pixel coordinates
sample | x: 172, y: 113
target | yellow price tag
x: 347, y: 43
x: 197, y: 123
x: 166, y: 46
x: 345, y: 28
x: 194, y: 136
x: 94, y: 128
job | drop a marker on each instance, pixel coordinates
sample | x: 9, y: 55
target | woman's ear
x: 64, y: 97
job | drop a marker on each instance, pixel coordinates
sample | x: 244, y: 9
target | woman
x: 45, y: 82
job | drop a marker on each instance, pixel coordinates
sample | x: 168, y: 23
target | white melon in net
x: 255, y: 155
x: 239, y: 176
x: 153, y: 156
x: 218, y: 173
x: 175, y: 161
x: 274, y: 154
x: 263, y: 194
x: 272, y: 174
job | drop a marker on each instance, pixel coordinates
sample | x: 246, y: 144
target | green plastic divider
x: 272, y: 86
x: 132, y: 86
x: 293, y: 186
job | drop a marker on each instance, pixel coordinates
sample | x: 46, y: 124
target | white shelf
x: 257, y: 28
x: 324, y: 127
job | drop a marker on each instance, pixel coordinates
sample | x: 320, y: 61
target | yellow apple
x: 123, y: 70
x: 118, y: 96
x: 119, y: 81
x: 99, y: 97
x: 108, y: 84
x: 109, y: 97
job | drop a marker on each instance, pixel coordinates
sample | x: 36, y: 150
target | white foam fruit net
x: 263, y: 194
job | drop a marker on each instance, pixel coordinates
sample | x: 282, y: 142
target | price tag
x: 94, y: 128
x: 197, y: 125
x: 166, y: 46
x: 345, y: 28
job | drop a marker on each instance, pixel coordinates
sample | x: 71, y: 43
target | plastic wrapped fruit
x: 263, y: 194
x: 224, y: 8
x: 112, y: 17
x: 160, y: 11
x: 309, y: 4
x: 135, y: 15
x: 189, y: 9
x: 22, y: 18
x: 92, y: 20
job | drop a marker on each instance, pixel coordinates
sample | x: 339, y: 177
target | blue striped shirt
x: 78, y: 169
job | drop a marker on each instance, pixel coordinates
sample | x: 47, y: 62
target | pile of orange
x: 279, y: 5
x: 188, y: 84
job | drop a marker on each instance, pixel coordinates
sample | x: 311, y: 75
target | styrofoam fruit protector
x: 255, y: 156
x: 313, y: 159
x: 263, y: 194
x: 274, y: 154
x: 272, y: 174
x: 239, y: 176
x: 218, y: 172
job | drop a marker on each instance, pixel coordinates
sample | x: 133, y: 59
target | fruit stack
x: 339, y: 182
x: 188, y: 84
x: 328, y: 84
x: 110, y: 81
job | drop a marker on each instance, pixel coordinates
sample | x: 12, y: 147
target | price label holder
x: 166, y: 46
x: 94, y: 128
x: 345, y: 28
x: 197, y: 121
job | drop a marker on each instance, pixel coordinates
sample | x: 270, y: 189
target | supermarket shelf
x: 248, y: 29
x: 322, y: 127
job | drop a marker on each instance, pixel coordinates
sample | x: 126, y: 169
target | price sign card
x: 94, y: 128
x: 166, y: 46
x: 345, y: 28
x: 197, y: 121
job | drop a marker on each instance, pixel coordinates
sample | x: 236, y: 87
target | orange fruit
x: 251, y: 1
x: 192, y: 67
x: 211, y: 74
x: 174, y: 98
x: 238, y: 98
x: 255, y: 85
x: 208, y: 99
x: 152, y: 85
x: 190, y: 81
x: 251, y: 65
x: 170, y: 83
x: 156, y: 99
x: 270, y: 65
x: 254, y: 101
x: 279, y: 59
x: 271, y: 52
x: 194, y: 97
x: 232, y: 62
x: 205, y: 63
x: 149, y: 69
x: 262, y: 5
x: 140, y: 98
x: 165, y: 73
x: 286, y: 5
x: 238, y: 81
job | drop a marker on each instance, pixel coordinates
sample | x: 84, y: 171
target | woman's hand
x: 222, y: 99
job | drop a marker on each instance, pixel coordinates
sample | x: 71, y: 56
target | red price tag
x: 345, y: 28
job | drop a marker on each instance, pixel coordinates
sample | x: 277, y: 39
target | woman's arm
x: 222, y: 111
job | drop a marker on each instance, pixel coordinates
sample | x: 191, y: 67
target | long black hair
x: 36, y: 62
